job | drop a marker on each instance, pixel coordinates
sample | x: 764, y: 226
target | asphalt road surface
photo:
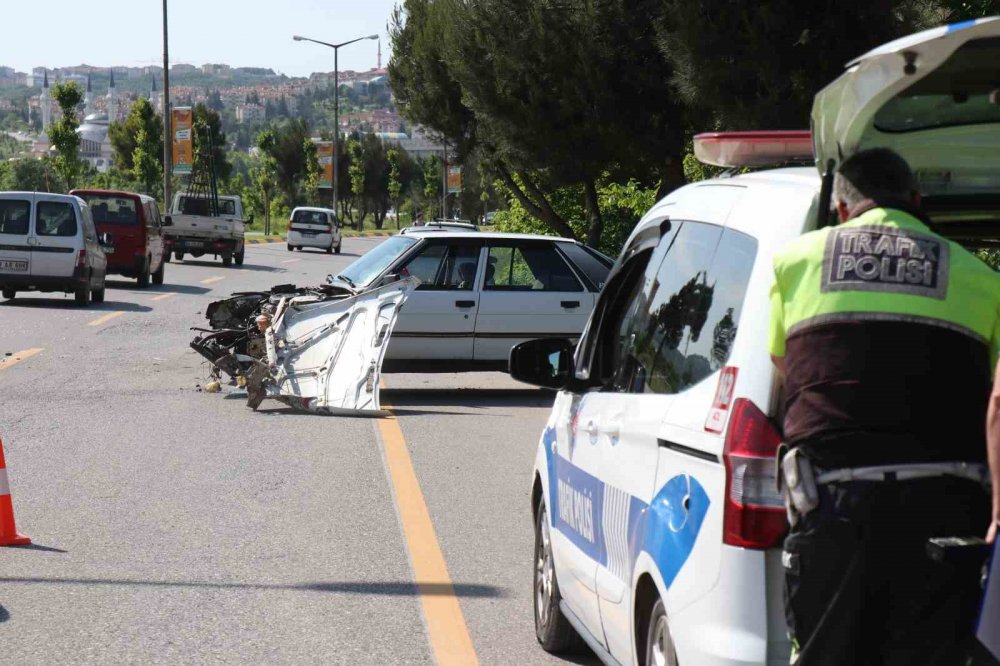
x: 174, y: 526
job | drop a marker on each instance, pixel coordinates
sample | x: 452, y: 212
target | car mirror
x: 104, y: 239
x: 167, y: 221
x: 545, y: 363
x: 249, y: 218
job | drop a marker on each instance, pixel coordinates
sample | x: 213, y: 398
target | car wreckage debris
x: 317, y: 349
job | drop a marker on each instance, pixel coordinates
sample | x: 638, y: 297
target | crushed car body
x: 316, y: 349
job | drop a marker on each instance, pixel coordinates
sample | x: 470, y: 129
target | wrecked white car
x: 318, y: 349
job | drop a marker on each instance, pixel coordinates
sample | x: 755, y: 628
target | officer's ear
x: 843, y: 212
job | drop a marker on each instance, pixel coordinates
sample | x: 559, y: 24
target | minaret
x: 112, y: 100
x: 154, y: 95
x: 88, y: 99
x: 380, y: 53
x: 46, y: 103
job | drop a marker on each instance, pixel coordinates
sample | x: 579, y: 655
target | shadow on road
x: 69, y: 304
x: 218, y: 264
x: 39, y: 547
x: 4, y: 615
x: 385, y: 588
x: 470, y: 397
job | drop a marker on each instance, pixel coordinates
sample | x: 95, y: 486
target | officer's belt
x: 972, y: 471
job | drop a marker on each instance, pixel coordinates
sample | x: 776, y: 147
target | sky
x: 241, y: 33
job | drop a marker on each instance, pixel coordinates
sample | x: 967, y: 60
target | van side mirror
x: 546, y: 363
x: 167, y: 221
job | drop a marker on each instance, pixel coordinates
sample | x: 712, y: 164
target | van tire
x: 97, y: 295
x: 82, y: 296
x: 227, y: 260
x: 660, y: 648
x: 239, y: 256
x: 158, y: 275
x: 143, y: 280
x: 329, y: 250
x: 554, y: 632
x: 337, y: 249
x: 9, y: 294
x: 178, y: 255
x: 290, y: 248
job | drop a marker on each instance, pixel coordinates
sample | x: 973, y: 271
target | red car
x: 133, y: 221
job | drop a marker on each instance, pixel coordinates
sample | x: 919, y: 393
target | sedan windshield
x: 371, y: 265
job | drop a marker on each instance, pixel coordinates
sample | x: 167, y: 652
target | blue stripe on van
x: 667, y: 528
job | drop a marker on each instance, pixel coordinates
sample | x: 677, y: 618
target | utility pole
x: 167, y: 133
x: 336, y: 132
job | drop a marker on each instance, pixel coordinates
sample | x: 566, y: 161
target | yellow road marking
x: 106, y: 318
x: 290, y: 261
x: 212, y: 280
x: 163, y: 296
x: 17, y: 357
x: 446, y: 629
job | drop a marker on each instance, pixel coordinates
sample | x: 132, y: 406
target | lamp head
x: 372, y: 37
x: 297, y: 38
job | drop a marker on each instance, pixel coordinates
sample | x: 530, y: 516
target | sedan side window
x: 426, y: 265
x: 528, y: 267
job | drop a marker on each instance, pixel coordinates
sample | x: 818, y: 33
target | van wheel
x: 660, y: 649
x: 337, y: 249
x: 82, y: 296
x: 239, y: 257
x: 227, y: 260
x: 552, y: 629
x: 97, y: 295
x: 329, y: 250
x: 178, y: 255
x: 9, y: 294
x: 158, y: 275
x: 143, y: 280
x: 290, y: 248
x: 166, y: 257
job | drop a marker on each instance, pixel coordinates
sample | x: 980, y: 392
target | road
x: 176, y: 526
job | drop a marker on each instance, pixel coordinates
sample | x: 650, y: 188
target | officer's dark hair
x: 877, y: 174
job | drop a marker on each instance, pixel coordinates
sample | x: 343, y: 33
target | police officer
x: 886, y: 333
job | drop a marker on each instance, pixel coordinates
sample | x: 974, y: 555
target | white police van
x: 657, y: 520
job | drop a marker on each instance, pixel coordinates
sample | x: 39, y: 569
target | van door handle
x: 465, y: 304
x: 570, y: 304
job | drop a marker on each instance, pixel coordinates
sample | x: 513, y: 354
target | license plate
x: 108, y: 250
x: 194, y: 243
x: 309, y: 234
x: 13, y: 266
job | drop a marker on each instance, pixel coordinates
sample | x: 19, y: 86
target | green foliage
x: 142, y: 117
x: 63, y: 136
x: 205, y: 117
x: 622, y: 205
x: 30, y: 175
x: 147, y: 162
x: 285, y: 144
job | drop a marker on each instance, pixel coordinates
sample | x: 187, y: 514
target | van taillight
x: 754, y: 513
x: 81, y: 259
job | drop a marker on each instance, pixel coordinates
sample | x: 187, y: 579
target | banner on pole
x: 324, y: 153
x: 182, y: 122
x: 454, y: 179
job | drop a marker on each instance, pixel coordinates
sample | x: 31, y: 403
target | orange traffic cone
x: 8, y: 532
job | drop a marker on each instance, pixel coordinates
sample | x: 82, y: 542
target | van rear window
x: 14, y: 215
x: 112, y: 210
x: 55, y: 218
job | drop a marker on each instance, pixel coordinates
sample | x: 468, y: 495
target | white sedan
x: 480, y: 294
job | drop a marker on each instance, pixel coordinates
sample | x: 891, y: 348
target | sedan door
x: 15, y: 225
x: 529, y: 291
x: 438, y: 320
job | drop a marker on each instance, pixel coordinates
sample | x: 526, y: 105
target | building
x: 95, y: 145
x: 248, y: 113
x: 182, y: 68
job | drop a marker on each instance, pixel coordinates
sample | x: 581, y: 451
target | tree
x: 124, y: 135
x: 747, y: 66
x: 284, y: 143
x: 147, y: 167
x: 356, y: 172
x: 62, y: 133
x: 395, y: 184
x: 207, y: 118
x: 29, y: 175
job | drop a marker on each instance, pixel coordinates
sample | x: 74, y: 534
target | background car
x: 481, y: 294
x: 48, y: 242
x: 132, y: 222
x: 439, y: 225
x: 314, y: 227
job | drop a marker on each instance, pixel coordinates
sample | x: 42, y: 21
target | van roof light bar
x: 753, y: 149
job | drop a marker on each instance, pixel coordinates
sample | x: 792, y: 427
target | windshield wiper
x: 347, y: 280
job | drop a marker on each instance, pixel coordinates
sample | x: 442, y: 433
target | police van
x: 657, y: 520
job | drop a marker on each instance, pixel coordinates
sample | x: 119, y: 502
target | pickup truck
x: 196, y: 232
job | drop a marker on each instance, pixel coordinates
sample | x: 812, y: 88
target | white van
x: 658, y: 523
x: 314, y: 227
x: 48, y: 242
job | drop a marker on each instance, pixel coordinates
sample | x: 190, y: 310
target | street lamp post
x: 336, y: 106
x: 167, y: 134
